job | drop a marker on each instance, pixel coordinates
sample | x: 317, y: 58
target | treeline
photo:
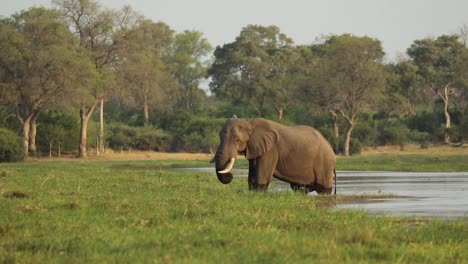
x: 81, y: 78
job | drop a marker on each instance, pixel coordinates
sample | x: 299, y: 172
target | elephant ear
x: 261, y: 140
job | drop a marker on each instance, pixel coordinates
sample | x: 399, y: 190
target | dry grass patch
x: 416, y: 149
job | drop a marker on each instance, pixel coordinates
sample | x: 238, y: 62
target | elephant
x: 299, y: 155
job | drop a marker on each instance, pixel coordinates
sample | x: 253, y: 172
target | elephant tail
x: 334, y: 171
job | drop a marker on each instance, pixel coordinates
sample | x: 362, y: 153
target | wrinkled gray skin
x: 299, y: 155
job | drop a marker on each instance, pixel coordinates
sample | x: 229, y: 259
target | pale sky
x: 396, y: 23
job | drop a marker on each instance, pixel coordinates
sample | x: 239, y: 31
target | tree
x: 187, y: 62
x: 405, y: 92
x: 249, y: 70
x: 141, y: 71
x: 38, y: 53
x: 439, y: 61
x: 95, y: 28
x: 351, y: 77
x: 315, y: 88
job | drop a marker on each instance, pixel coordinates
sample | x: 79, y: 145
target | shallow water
x: 423, y: 194
x: 440, y: 194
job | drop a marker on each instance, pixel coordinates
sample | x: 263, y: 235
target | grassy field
x: 111, y: 210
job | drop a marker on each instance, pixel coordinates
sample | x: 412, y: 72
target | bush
x: 58, y: 131
x: 200, y: 135
x: 11, y: 148
x: 191, y: 132
x: 365, y: 133
x: 397, y: 134
x: 355, y: 147
x: 463, y: 128
x: 150, y: 138
x: 141, y: 138
x: 428, y: 122
x: 422, y: 138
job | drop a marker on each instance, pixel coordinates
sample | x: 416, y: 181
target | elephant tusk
x: 229, y: 166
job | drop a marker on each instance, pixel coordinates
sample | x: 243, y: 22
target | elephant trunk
x: 223, y: 166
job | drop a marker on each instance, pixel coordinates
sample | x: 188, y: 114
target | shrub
x: 150, y: 138
x: 397, y: 134
x: 463, y: 128
x: 422, y: 138
x: 365, y: 133
x: 355, y: 147
x: 142, y: 138
x: 427, y: 122
x: 11, y: 149
x: 199, y: 135
x: 58, y: 131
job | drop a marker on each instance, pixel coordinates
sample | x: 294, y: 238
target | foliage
x: 185, y: 61
x: 463, y: 128
x: 57, y: 131
x: 141, y: 77
x: 192, y: 133
x: 254, y: 70
x: 442, y: 68
x: 355, y: 146
x: 11, y: 149
x: 123, y: 137
x: 396, y: 134
x: 39, y: 65
x: 428, y: 122
x: 151, y: 77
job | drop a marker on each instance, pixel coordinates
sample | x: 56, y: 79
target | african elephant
x: 299, y: 155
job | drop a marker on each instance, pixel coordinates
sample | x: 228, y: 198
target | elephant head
x: 251, y: 138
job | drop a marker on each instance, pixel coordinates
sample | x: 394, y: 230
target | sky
x: 396, y: 23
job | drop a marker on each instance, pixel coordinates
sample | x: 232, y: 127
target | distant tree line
x: 81, y: 78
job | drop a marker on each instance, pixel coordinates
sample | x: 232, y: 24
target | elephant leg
x: 305, y: 188
x: 295, y: 187
x: 322, y: 189
x: 310, y: 188
x: 265, y: 166
x: 252, y: 180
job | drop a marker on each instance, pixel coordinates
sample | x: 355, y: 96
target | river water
x: 421, y: 194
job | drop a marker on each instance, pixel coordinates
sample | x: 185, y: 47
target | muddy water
x: 422, y: 194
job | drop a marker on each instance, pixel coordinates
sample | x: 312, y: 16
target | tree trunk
x: 336, y: 132
x: 280, y: 111
x: 146, y: 112
x: 101, y: 127
x: 32, y: 136
x: 348, y: 139
x: 50, y: 149
x: 84, y: 116
x: 83, y: 137
x: 447, y: 120
x: 32, y: 133
x: 444, y: 95
x: 25, y: 123
x: 59, y: 151
x: 26, y: 127
x: 351, y: 119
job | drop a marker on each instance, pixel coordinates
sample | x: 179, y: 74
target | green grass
x: 410, y: 162
x: 106, y: 212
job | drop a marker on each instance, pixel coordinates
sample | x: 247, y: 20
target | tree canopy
x: 171, y: 91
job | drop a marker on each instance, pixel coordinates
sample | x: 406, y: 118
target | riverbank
x: 389, y: 158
